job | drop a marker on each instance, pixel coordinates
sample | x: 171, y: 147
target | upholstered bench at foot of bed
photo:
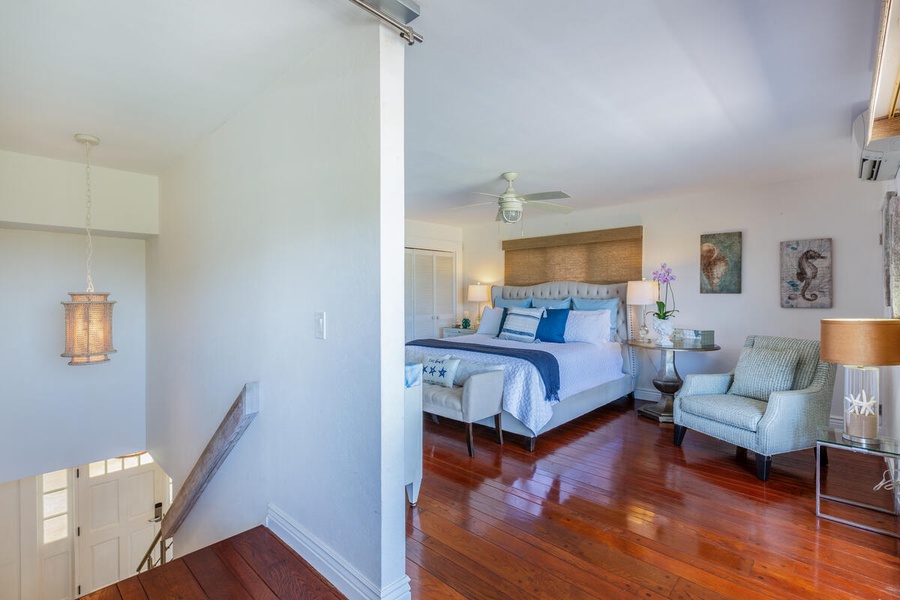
x: 479, y: 396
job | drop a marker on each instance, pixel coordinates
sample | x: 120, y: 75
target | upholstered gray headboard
x: 558, y: 290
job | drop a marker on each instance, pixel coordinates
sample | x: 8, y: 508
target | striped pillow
x: 521, y: 324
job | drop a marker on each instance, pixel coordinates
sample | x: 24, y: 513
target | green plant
x: 665, y: 278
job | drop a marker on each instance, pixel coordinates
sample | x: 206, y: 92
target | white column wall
x: 838, y: 206
x: 292, y: 207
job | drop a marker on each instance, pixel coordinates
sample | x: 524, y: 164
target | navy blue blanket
x: 546, y: 364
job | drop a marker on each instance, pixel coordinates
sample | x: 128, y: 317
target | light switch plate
x: 320, y: 325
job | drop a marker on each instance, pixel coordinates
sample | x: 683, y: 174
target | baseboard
x: 333, y: 567
x: 647, y: 394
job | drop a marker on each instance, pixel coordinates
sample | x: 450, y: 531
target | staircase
x: 254, y: 565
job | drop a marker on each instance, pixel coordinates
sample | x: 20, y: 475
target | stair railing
x: 232, y: 427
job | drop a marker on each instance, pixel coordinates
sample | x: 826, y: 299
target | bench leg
x: 499, y: 428
x: 469, y: 441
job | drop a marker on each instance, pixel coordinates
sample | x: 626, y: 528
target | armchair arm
x: 482, y: 396
x: 793, y: 416
x: 697, y: 384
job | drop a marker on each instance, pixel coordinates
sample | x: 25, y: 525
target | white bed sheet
x: 581, y: 367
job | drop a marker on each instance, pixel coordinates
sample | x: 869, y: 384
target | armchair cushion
x: 727, y: 409
x: 761, y: 371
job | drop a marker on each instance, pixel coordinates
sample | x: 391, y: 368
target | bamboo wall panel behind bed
x: 604, y: 256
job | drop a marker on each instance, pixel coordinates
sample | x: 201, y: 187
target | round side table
x: 667, y: 380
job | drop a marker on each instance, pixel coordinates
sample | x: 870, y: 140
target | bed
x: 590, y: 375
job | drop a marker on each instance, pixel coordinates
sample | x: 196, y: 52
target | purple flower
x: 664, y: 276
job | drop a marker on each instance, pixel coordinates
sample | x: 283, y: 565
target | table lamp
x: 478, y: 293
x: 861, y: 345
x: 642, y: 293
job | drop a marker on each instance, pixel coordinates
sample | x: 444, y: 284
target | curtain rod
x: 406, y: 32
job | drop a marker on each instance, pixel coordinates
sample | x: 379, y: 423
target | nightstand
x: 449, y: 332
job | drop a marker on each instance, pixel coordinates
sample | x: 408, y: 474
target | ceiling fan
x: 511, y: 203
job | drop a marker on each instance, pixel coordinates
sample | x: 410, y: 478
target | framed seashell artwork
x: 720, y: 263
x: 806, y: 277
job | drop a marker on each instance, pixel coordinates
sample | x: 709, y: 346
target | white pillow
x: 440, y: 370
x: 591, y: 326
x: 521, y: 324
x: 490, y: 321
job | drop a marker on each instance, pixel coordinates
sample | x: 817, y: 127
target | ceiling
x: 609, y: 101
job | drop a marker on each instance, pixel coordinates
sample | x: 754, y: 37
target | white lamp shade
x: 642, y: 292
x: 478, y: 293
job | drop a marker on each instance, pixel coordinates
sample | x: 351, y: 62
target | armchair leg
x: 469, y: 441
x: 497, y: 425
x: 763, y: 466
x: 680, y: 430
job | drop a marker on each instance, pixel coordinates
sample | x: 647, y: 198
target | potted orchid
x: 662, y: 323
x: 665, y: 278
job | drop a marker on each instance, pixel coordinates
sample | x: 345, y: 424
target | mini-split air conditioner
x: 878, y: 160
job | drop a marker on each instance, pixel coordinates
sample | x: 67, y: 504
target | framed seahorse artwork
x: 806, y: 275
x: 720, y: 263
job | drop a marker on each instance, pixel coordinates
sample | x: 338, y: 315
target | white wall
x: 293, y: 206
x: 43, y: 193
x: 55, y: 415
x: 840, y: 207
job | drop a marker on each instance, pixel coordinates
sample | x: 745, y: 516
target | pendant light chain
x: 89, y: 250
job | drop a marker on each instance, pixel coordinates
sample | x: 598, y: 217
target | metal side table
x: 886, y: 448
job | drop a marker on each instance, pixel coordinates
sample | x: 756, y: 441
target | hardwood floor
x: 254, y: 564
x: 608, y: 507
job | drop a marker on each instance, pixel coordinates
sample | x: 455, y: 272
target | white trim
x: 332, y: 566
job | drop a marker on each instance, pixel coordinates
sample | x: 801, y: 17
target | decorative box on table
x: 694, y: 337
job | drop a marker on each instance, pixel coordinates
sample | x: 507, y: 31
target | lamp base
x: 861, y: 441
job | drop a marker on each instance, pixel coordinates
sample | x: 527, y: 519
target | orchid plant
x: 664, y: 277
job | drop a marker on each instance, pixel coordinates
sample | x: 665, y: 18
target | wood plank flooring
x: 608, y: 507
x: 252, y: 565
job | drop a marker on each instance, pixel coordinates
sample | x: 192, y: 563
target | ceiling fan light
x: 510, y: 215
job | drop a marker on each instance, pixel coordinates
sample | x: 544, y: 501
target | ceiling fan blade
x: 559, y: 208
x: 486, y: 194
x: 473, y: 205
x: 557, y: 195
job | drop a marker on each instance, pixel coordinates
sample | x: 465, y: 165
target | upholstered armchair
x: 773, y: 402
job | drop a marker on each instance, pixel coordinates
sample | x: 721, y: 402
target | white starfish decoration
x: 860, y: 405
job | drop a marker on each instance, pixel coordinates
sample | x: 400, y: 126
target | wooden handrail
x: 232, y: 427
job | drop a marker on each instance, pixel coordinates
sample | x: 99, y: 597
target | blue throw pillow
x: 512, y: 302
x: 521, y: 324
x: 547, y: 303
x: 610, y: 304
x: 552, y: 327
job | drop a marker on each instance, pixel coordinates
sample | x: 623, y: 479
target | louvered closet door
x: 430, y: 292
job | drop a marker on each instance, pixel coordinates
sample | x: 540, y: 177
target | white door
x: 430, y: 296
x: 116, y: 506
x: 10, y: 553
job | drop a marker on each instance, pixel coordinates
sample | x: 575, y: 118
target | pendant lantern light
x: 88, y: 314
